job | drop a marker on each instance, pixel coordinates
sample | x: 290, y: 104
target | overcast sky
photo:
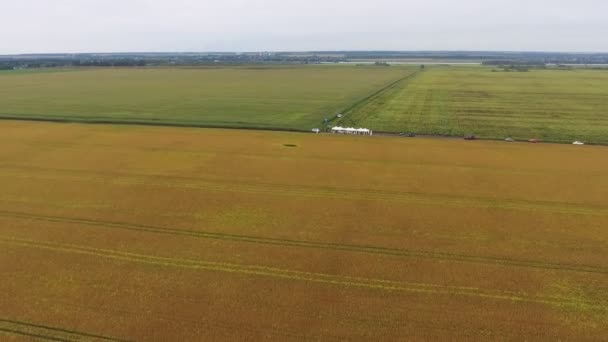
x: 43, y: 26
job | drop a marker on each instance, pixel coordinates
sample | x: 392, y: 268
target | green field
x: 551, y: 105
x: 285, y: 97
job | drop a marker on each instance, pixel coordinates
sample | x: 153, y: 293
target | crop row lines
x: 313, y: 244
x: 327, y: 192
x: 338, y: 280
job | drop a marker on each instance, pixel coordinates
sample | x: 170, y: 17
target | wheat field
x: 112, y: 233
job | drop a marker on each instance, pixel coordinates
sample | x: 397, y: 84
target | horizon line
x: 299, y: 51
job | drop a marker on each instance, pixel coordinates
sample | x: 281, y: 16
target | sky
x: 72, y: 26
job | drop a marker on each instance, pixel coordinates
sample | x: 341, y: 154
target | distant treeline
x: 161, y: 59
x: 50, y: 63
x: 514, y: 58
x: 532, y: 59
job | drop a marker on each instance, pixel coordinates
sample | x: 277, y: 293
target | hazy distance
x: 41, y: 26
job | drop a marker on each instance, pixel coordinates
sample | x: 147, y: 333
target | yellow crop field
x: 112, y: 233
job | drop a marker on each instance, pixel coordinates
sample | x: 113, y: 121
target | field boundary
x: 312, y: 244
x: 143, y: 123
x: 99, y: 121
x: 377, y: 93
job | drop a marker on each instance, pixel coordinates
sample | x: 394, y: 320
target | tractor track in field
x: 347, y: 119
x: 33, y: 335
x: 48, y: 333
x: 395, y: 252
x: 379, y: 92
x: 312, y: 277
